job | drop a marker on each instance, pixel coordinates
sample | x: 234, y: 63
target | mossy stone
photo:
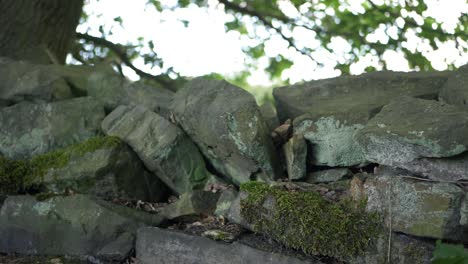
x: 16, y: 175
x: 306, y: 221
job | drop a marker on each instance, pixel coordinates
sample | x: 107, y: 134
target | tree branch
x: 263, y: 18
x: 120, y: 51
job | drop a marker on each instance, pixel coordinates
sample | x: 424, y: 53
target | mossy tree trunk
x: 38, y: 30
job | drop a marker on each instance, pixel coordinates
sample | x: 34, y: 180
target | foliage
x: 326, y: 21
x: 16, y: 175
x: 306, y: 221
x: 449, y: 254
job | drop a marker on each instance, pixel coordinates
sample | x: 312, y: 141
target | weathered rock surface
x: 112, y: 90
x: 226, y: 124
x: 403, y: 250
x: 329, y: 175
x: 414, y: 207
x: 193, y: 203
x: 20, y: 81
x: 162, y: 146
x: 444, y: 169
x: 295, y: 153
x: 29, y: 129
x: 268, y: 111
x: 71, y: 225
x: 102, y: 166
x: 365, y: 93
x: 154, y: 245
x: 455, y: 91
x: 300, y: 217
x: 428, y: 130
x: 331, y: 137
x: 224, y: 202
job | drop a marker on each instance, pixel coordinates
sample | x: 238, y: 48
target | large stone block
x: 417, y: 134
x: 29, y: 129
x: 162, y: 146
x: 227, y: 126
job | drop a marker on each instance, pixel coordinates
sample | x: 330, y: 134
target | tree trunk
x: 38, y: 30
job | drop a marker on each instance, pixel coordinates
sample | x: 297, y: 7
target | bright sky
x: 204, y: 46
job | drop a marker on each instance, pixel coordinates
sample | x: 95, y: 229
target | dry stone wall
x: 88, y: 158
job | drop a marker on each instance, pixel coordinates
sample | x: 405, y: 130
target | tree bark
x: 40, y: 31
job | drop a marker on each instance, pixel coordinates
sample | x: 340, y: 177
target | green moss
x: 59, y: 158
x: 308, y: 222
x: 46, y: 196
x: 12, y: 174
x: 20, y: 174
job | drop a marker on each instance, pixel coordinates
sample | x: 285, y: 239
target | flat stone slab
x: 162, y: 146
x: 74, y: 225
x: 113, y: 90
x: 30, y: 129
x: 365, y: 93
x: 329, y: 175
x: 108, y: 169
x: 20, y: 80
x: 154, y: 245
x: 409, y: 129
x: 403, y: 250
x: 413, y: 207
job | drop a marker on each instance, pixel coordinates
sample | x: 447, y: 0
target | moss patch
x: 308, y: 222
x: 20, y: 174
x: 12, y: 174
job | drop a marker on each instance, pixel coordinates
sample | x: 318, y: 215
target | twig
x: 389, y: 247
x: 120, y: 51
x: 267, y: 23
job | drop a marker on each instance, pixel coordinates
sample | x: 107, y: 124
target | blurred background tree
x: 277, y: 37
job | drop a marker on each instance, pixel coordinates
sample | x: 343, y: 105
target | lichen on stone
x: 16, y: 175
x: 306, y: 221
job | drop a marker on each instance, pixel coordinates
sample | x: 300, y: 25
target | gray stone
x: 113, y: 90
x: 444, y: 169
x: 331, y: 137
x: 29, y: 129
x: 414, y: 207
x: 403, y: 250
x: 162, y: 146
x: 330, y: 175
x: 295, y: 152
x: 224, y: 202
x: 428, y: 130
x: 455, y: 91
x: 234, y: 212
x: 464, y: 212
x: 4, y: 103
x: 69, y: 225
x: 21, y: 81
x: 193, y: 203
x: 77, y: 76
x: 226, y: 124
x: 110, y: 171
x: 154, y: 245
x: 365, y: 93
x: 268, y: 111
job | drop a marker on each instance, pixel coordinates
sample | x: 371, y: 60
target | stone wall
x: 77, y: 141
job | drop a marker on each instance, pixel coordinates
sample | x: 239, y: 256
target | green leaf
x: 118, y: 20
